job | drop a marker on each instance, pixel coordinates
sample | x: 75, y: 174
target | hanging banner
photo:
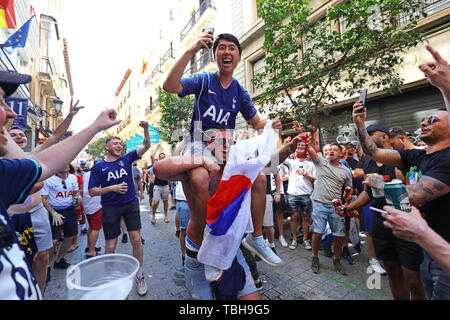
x: 20, y: 107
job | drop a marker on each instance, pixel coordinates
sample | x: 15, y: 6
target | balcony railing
x: 199, y: 64
x: 195, y: 17
x: 169, y: 54
x: 47, y: 67
x: 430, y: 6
x: 156, y: 70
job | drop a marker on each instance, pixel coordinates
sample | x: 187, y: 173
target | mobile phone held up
x: 211, y: 32
x: 363, y: 97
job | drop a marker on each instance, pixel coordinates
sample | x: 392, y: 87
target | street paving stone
x: 294, y: 280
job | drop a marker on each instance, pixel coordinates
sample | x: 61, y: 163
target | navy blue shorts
x: 111, y: 219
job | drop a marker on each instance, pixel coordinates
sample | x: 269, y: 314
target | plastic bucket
x: 106, y: 277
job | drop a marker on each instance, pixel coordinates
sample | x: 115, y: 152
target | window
x: 430, y: 6
x: 258, y: 67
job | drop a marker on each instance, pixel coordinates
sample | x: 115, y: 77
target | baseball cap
x: 377, y: 127
x: 350, y: 144
x: 82, y: 162
x: 11, y: 80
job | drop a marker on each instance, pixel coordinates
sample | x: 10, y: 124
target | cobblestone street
x: 293, y: 281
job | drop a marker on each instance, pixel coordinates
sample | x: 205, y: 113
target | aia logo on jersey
x: 64, y: 194
x: 117, y: 174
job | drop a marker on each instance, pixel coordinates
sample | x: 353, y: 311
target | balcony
x: 169, y: 54
x: 430, y: 6
x: 156, y: 70
x: 195, y: 17
x: 47, y: 69
x: 199, y: 64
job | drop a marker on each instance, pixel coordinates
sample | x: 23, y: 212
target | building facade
x: 406, y: 109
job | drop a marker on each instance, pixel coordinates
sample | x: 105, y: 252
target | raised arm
x: 143, y: 149
x: 370, y: 149
x: 172, y: 84
x: 437, y: 73
x: 55, y: 158
x: 61, y: 130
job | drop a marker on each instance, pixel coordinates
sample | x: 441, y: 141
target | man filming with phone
x: 218, y: 99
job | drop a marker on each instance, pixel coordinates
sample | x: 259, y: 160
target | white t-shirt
x: 90, y: 204
x: 58, y: 196
x: 300, y: 185
x: 179, y: 193
x: 283, y: 169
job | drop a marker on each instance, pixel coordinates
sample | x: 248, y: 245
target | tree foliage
x: 355, y: 45
x: 176, y: 116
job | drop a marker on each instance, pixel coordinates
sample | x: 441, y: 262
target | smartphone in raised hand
x: 211, y: 32
x: 363, y: 97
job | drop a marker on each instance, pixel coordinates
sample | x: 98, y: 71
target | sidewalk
x: 292, y: 281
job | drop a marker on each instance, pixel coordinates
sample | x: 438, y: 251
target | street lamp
x: 57, y: 103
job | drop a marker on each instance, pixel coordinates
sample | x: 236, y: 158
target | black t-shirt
x: 160, y: 182
x: 435, y: 165
x: 352, y: 162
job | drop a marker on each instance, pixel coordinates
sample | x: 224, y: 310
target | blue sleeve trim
x: 32, y: 182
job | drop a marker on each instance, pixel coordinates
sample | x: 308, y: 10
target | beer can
x: 347, y: 193
x: 75, y: 201
x: 302, y: 148
x: 338, y: 207
x: 397, y: 196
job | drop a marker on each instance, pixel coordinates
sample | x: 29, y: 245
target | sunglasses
x: 430, y: 119
x: 223, y: 142
x: 64, y: 185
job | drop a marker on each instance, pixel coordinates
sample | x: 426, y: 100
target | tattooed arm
x: 425, y: 190
x: 386, y: 156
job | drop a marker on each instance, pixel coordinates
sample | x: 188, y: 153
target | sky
x: 105, y: 38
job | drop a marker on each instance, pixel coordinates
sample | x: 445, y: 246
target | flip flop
x: 153, y: 221
x: 72, y: 250
x: 166, y: 221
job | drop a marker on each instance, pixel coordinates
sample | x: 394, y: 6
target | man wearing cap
x: 399, y: 139
x: 401, y: 258
x: 83, y: 167
x: 17, y: 178
x: 430, y: 192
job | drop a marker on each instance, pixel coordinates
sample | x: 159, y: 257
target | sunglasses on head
x: 430, y: 119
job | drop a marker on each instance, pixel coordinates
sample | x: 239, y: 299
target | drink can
x: 347, y: 193
x: 75, y: 201
x: 338, y: 207
x: 302, y: 148
x: 397, y: 196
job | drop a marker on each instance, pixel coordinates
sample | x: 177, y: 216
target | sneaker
x: 212, y: 273
x: 338, y: 267
x: 259, y: 285
x: 327, y: 252
x: 172, y: 208
x: 141, y: 286
x: 177, y: 233
x: 376, y: 266
x: 142, y: 241
x: 62, y: 264
x: 347, y: 256
x: 283, y: 242
x: 306, y: 245
x: 97, y: 249
x: 293, y: 245
x: 315, y: 266
x: 259, y: 247
x: 125, y: 238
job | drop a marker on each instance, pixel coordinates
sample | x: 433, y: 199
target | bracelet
x: 55, y: 214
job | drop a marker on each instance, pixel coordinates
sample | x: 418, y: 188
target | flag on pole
x: 228, y: 214
x: 7, y: 14
x: 18, y: 38
x: 144, y: 66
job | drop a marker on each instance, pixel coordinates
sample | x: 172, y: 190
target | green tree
x: 176, y: 116
x: 355, y: 45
